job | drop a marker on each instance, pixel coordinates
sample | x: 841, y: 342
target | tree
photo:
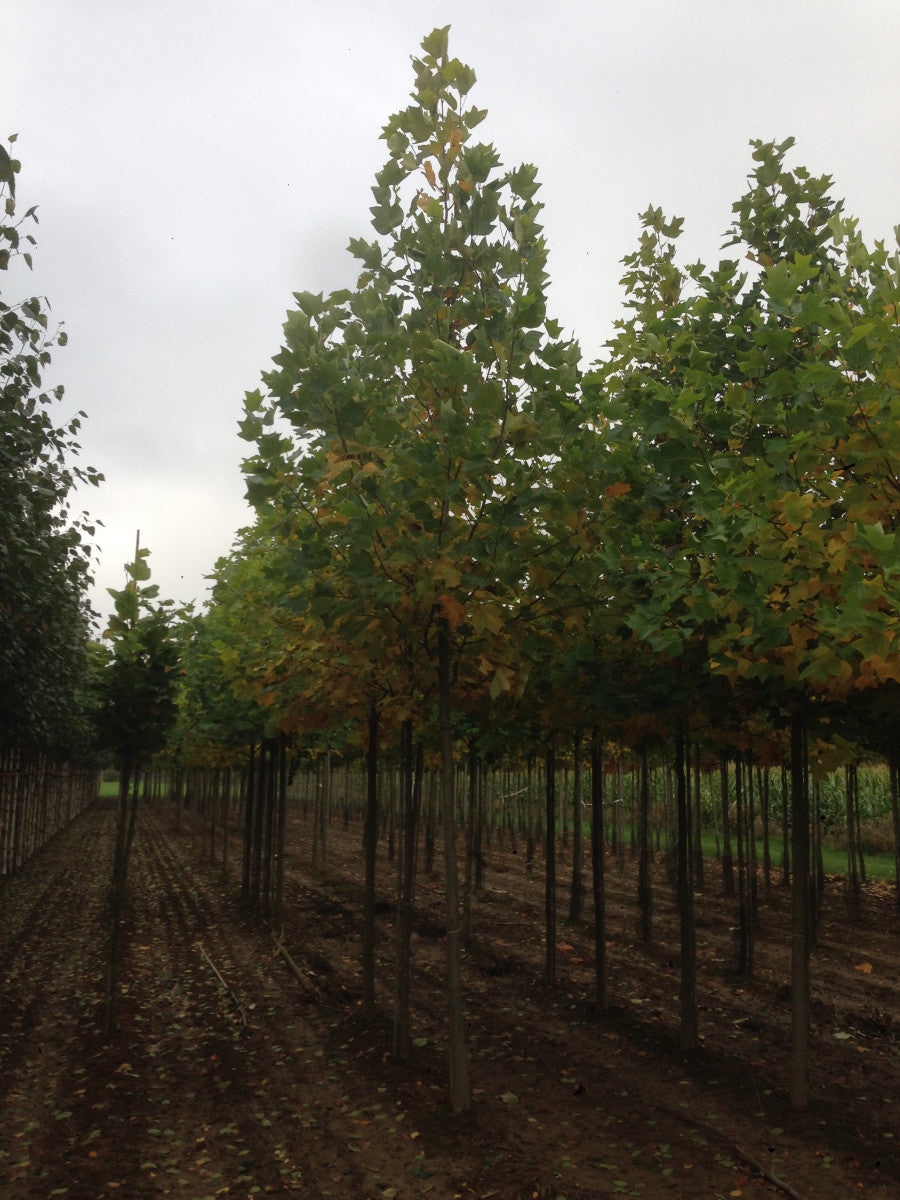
x: 137, y: 710
x: 427, y: 408
x: 44, y: 552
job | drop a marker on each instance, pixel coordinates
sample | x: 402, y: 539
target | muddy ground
x: 269, y: 1085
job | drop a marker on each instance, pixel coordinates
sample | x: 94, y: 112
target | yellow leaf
x: 452, y: 611
x: 429, y: 172
x: 618, y: 489
x: 865, y: 967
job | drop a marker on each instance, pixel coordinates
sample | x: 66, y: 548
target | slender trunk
x: 859, y: 841
x: 469, y: 869
x: 752, y: 872
x: 249, y: 805
x: 817, y: 863
x: 800, y: 917
x: 280, y: 822
x: 852, y: 862
x: 268, y: 832
x: 550, y: 872
x: 785, y: 830
x: 429, y: 823
x: 645, y: 894
x: 370, y: 842
x: 762, y: 779
x: 598, y: 871
x: 117, y: 897
x: 529, y: 822
x: 412, y: 799
x: 482, y: 825
x: 576, y: 896
x: 697, y: 856
x: 226, y: 812
x: 894, y: 768
x: 688, y: 1003
x: 727, y: 859
x: 745, y: 908
x: 458, y: 1058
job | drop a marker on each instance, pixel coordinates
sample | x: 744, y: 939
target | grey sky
x: 195, y: 162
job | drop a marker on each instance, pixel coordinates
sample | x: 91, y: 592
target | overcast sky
x: 197, y: 161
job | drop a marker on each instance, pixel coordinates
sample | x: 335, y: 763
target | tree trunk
x: 752, y: 860
x: 370, y: 843
x: 412, y: 799
x: 697, y: 856
x: 529, y: 821
x: 645, y: 894
x: 458, y: 1058
x: 855, y: 894
x: 745, y: 906
x: 894, y: 768
x: 471, y: 823
x: 280, y: 822
x: 576, y: 896
x: 727, y: 858
x: 124, y: 823
x: 598, y: 871
x: 762, y: 779
x: 800, y: 917
x: 249, y: 806
x: 688, y: 1003
x: 550, y: 871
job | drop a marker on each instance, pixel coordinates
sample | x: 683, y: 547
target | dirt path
x: 274, y: 1087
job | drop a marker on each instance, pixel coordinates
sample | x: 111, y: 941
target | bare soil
x: 269, y: 1085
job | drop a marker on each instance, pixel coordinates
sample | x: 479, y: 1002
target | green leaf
x: 437, y: 41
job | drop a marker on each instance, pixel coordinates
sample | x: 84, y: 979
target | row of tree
x: 468, y: 546
x: 465, y: 541
x: 68, y: 703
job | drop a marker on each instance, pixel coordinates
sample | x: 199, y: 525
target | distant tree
x: 137, y: 710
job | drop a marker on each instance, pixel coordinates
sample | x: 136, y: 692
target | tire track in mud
x: 51, y: 973
x: 269, y: 1096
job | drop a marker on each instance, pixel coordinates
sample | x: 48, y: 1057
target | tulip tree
x: 755, y: 414
x: 136, y: 712
x: 426, y: 410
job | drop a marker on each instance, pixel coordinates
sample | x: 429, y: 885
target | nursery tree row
x: 68, y: 703
x: 466, y: 541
